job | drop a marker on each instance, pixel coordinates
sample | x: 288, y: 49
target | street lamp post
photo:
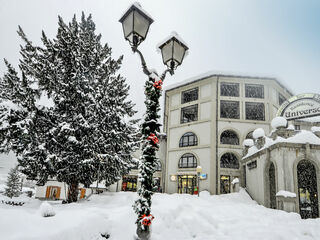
x: 199, y: 170
x: 135, y: 24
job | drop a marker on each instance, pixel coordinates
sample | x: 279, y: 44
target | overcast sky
x: 265, y: 38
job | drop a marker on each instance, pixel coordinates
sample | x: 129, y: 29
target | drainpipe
x: 217, y: 107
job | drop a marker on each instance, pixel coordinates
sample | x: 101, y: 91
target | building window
x: 229, y: 89
x: 229, y: 137
x: 254, y: 91
x: 255, y: 111
x: 189, y: 95
x: 229, y: 109
x: 189, y: 114
x: 129, y: 183
x: 188, y: 139
x: 229, y: 160
x: 158, y: 168
x: 282, y: 99
x: 297, y: 127
x: 188, y: 160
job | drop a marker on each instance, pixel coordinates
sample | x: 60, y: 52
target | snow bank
x: 286, y: 194
x: 291, y: 127
x: 259, y: 132
x: 279, y: 122
x: 177, y: 216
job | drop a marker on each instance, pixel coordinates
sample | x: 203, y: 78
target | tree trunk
x: 73, y: 192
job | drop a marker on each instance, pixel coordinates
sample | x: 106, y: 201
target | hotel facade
x: 206, y: 120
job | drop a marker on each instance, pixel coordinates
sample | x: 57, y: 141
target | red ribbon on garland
x: 158, y: 84
x: 153, y: 138
x: 146, y: 220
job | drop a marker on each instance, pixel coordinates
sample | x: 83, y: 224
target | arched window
x: 188, y: 160
x: 249, y: 135
x: 229, y: 137
x: 229, y: 160
x: 188, y: 139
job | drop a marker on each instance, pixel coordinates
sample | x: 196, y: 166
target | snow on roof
x: 301, y: 137
x: 223, y: 74
x: 259, y: 132
x: 279, y: 122
x: 284, y: 193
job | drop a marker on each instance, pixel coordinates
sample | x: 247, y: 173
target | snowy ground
x: 231, y: 216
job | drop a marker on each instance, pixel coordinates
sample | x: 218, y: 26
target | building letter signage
x: 300, y: 106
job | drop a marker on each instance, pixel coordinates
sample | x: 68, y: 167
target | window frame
x: 246, y: 112
x: 279, y: 99
x: 190, y: 164
x: 230, y: 101
x: 189, y: 142
x: 229, y: 165
x: 183, y: 100
x: 189, y: 107
x: 248, y: 85
x: 230, y: 83
x: 231, y: 131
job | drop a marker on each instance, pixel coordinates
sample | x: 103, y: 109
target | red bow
x: 158, y: 84
x: 153, y: 138
x: 146, y: 220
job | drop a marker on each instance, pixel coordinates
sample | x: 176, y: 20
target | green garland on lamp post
x: 136, y: 23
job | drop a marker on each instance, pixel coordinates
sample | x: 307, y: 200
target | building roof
x: 221, y: 74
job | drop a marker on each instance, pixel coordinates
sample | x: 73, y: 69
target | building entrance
x: 272, y: 186
x: 307, y: 189
x: 187, y: 184
x: 224, y: 184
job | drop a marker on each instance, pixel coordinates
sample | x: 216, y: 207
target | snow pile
x: 248, y: 143
x: 46, y: 210
x: 235, y: 181
x: 283, y: 193
x: 278, y: 122
x: 177, y: 216
x: 259, y: 132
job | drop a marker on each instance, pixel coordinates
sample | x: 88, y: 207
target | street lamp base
x: 143, y: 234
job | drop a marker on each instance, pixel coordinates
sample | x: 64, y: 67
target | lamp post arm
x: 143, y: 62
x: 163, y: 75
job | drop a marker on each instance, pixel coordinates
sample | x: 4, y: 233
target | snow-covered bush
x: 278, y: 122
x: 259, y: 132
x: 290, y: 127
x: 46, y: 210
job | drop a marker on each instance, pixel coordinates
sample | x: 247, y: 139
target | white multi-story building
x: 206, y: 119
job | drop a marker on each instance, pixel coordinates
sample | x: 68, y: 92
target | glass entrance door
x: 224, y: 184
x: 187, y: 184
x: 307, y: 187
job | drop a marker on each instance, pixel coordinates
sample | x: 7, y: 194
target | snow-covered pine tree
x: 13, y: 188
x: 87, y: 128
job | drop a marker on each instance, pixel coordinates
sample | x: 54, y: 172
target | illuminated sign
x: 300, y: 106
x: 203, y: 176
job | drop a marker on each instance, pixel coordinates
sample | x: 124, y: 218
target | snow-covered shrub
x: 278, y: 122
x: 259, y: 132
x: 46, y: 210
